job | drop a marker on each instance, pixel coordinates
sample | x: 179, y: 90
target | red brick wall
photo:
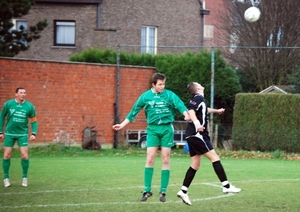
x: 63, y: 92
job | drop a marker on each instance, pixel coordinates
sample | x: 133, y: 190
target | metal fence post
x: 116, y: 105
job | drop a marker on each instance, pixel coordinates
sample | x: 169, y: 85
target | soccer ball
x: 252, y: 14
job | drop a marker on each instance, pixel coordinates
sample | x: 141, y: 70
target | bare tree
x: 266, y: 51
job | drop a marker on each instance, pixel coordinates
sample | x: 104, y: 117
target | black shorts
x: 199, y: 144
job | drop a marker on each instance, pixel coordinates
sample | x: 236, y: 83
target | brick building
x: 75, y: 25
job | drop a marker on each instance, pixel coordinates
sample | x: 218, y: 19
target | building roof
x: 274, y: 89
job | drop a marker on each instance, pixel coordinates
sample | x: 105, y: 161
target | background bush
x: 266, y: 122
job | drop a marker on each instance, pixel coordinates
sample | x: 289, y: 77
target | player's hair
x: 192, y: 88
x: 157, y: 76
x: 19, y: 88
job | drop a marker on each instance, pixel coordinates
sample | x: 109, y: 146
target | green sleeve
x: 34, y: 127
x: 137, y: 107
x: 178, y: 104
x: 2, y: 117
x: 34, y: 123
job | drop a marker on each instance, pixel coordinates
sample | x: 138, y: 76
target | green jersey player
x: 17, y: 112
x: 159, y: 106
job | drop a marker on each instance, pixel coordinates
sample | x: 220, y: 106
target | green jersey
x: 17, y: 118
x: 159, y: 108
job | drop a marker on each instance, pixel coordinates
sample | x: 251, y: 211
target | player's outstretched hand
x: 120, y: 126
x: 117, y: 127
x: 220, y: 111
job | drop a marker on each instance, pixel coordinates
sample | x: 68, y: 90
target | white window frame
x: 149, y: 39
x: 64, y: 33
x: 15, y: 23
x: 234, y: 39
x: 253, y: 2
x: 16, y: 26
x: 274, y: 38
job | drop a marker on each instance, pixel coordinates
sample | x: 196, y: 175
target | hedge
x: 266, y: 122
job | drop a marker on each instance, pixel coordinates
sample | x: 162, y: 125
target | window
x: 64, y: 33
x: 148, y: 39
x: 208, y: 31
x: 275, y: 38
x: 253, y: 2
x: 234, y: 39
x: 18, y: 23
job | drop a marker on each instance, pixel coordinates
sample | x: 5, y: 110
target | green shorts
x: 9, y: 140
x: 160, y: 135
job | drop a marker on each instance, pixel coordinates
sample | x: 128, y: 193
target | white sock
x: 184, y: 188
x: 224, y: 183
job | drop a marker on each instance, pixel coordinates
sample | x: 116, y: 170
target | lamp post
x: 212, y: 95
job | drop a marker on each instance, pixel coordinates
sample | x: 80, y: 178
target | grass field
x: 112, y: 180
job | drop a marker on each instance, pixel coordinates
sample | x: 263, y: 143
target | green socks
x: 25, y: 166
x: 165, y: 176
x: 148, y: 178
x: 6, y: 165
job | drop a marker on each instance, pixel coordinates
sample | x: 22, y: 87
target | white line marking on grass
x: 211, y: 198
x: 111, y: 203
x: 272, y: 180
x: 212, y: 184
x: 127, y: 203
x: 136, y: 187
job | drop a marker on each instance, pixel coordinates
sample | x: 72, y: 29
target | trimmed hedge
x: 266, y: 122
